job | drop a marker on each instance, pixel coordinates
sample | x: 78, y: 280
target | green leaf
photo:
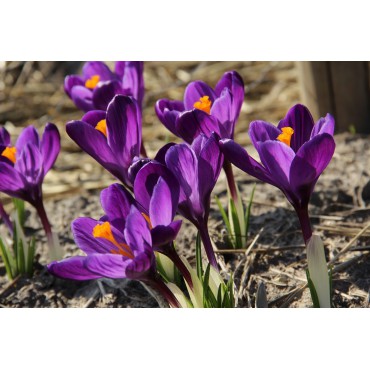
x: 226, y: 220
x: 19, y: 207
x: 20, y: 257
x: 5, y: 257
x: 331, y: 286
x: 198, y: 256
x: 161, y: 270
x: 236, y: 225
x: 206, y: 285
x: 30, y: 257
x: 219, y: 296
x: 314, y: 296
x: 248, y: 210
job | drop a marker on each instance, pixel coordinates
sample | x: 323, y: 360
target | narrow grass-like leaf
x: 19, y: 207
x: 236, y: 225
x: 20, y: 257
x: 331, y: 286
x: 206, y: 285
x: 161, y: 270
x: 31, y: 256
x: 314, y: 296
x: 248, y: 210
x: 226, y: 220
x: 198, y: 256
x: 219, y: 296
x: 5, y: 257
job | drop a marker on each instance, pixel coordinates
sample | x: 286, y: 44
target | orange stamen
x: 203, y: 104
x: 9, y: 152
x: 102, y: 127
x: 92, y: 82
x: 147, y: 218
x: 104, y: 231
x: 286, y: 135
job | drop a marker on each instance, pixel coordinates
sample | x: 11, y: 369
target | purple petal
x: 136, y: 166
x: 309, y: 162
x: 137, y: 233
x: 94, y: 117
x: 28, y: 135
x: 70, y: 82
x: 324, y: 125
x: 147, y: 179
x: 222, y: 110
x: 277, y: 157
x: 238, y: 156
x: 97, y: 68
x: 162, y: 235
x: 105, y: 92
x: 94, y: 143
x: 142, y: 266
x: 116, y: 201
x: 133, y: 80
x: 191, y: 124
x: 260, y: 131
x: 300, y: 120
x: 163, y: 204
x: 124, y: 129
x: 168, y: 112
x: 82, y: 229
x: 108, y: 265
x: 119, y: 69
x: 196, y: 90
x: 30, y: 164
x: 50, y: 146
x: 72, y: 268
x: 4, y: 137
x: 234, y: 83
x: 82, y: 97
x: 12, y: 182
x: 161, y: 154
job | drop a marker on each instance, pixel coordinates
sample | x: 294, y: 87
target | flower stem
x: 6, y: 218
x: 158, y: 284
x: 230, y: 180
x: 203, y: 231
x: 304, y: 220
x: 53, y: 244
x: 174, y: 257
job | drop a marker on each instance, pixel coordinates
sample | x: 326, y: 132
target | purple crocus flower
x: 112, y: 138
x: 293, y: 155
x: 24, y: 166
x: 113, y: 249
x: 204, y: 110
x: 97, y: 85
x: 197, y: 168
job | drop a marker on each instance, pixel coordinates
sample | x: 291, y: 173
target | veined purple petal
x: 28, y: 135
x: 191, y: 124
x: 116, y: 201
x: 161, y: 154
x: 105, y: 92
x: 162, y: 235
x: 222, y: 110
x: 70, y: 82
x: 82, y: 97
x: 168, y: 112
x: 93, y: 117
x: 97, y: 68
x: 30, y: 164
x: 163, y: 203
x: 238, y: 156
x: 4, y: 137
x: 260, y: 131
x: 324, y: 125
x: 309, y: 162
x: 124, y: 129
x: 119, y: 69
x: 232, y: 81
x: 196, y: 90
x: 137, y: 233
x: 50, y: 146
x: 300, y: 120
x: 133, y: 80
x: 12, y: 182
x: 136, y: 166
x: 72, y: 268
x: 108, y: 265
x: 277, y: 157
x: 142, y: 265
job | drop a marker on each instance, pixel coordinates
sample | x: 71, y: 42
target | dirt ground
x: 31, y: 93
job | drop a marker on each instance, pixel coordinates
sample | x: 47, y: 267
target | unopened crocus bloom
x: 293, y: 155
x: 97, y: 85
x: 113, y: 250
x: 24, y: 166
x: 112, y: 137
x: 197, y: 168
x: 204, y: 110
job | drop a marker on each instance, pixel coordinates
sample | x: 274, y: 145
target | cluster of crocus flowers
x: 97, y: 85
x: 24, y: 166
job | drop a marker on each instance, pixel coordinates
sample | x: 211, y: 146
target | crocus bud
x: 318, y: 270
